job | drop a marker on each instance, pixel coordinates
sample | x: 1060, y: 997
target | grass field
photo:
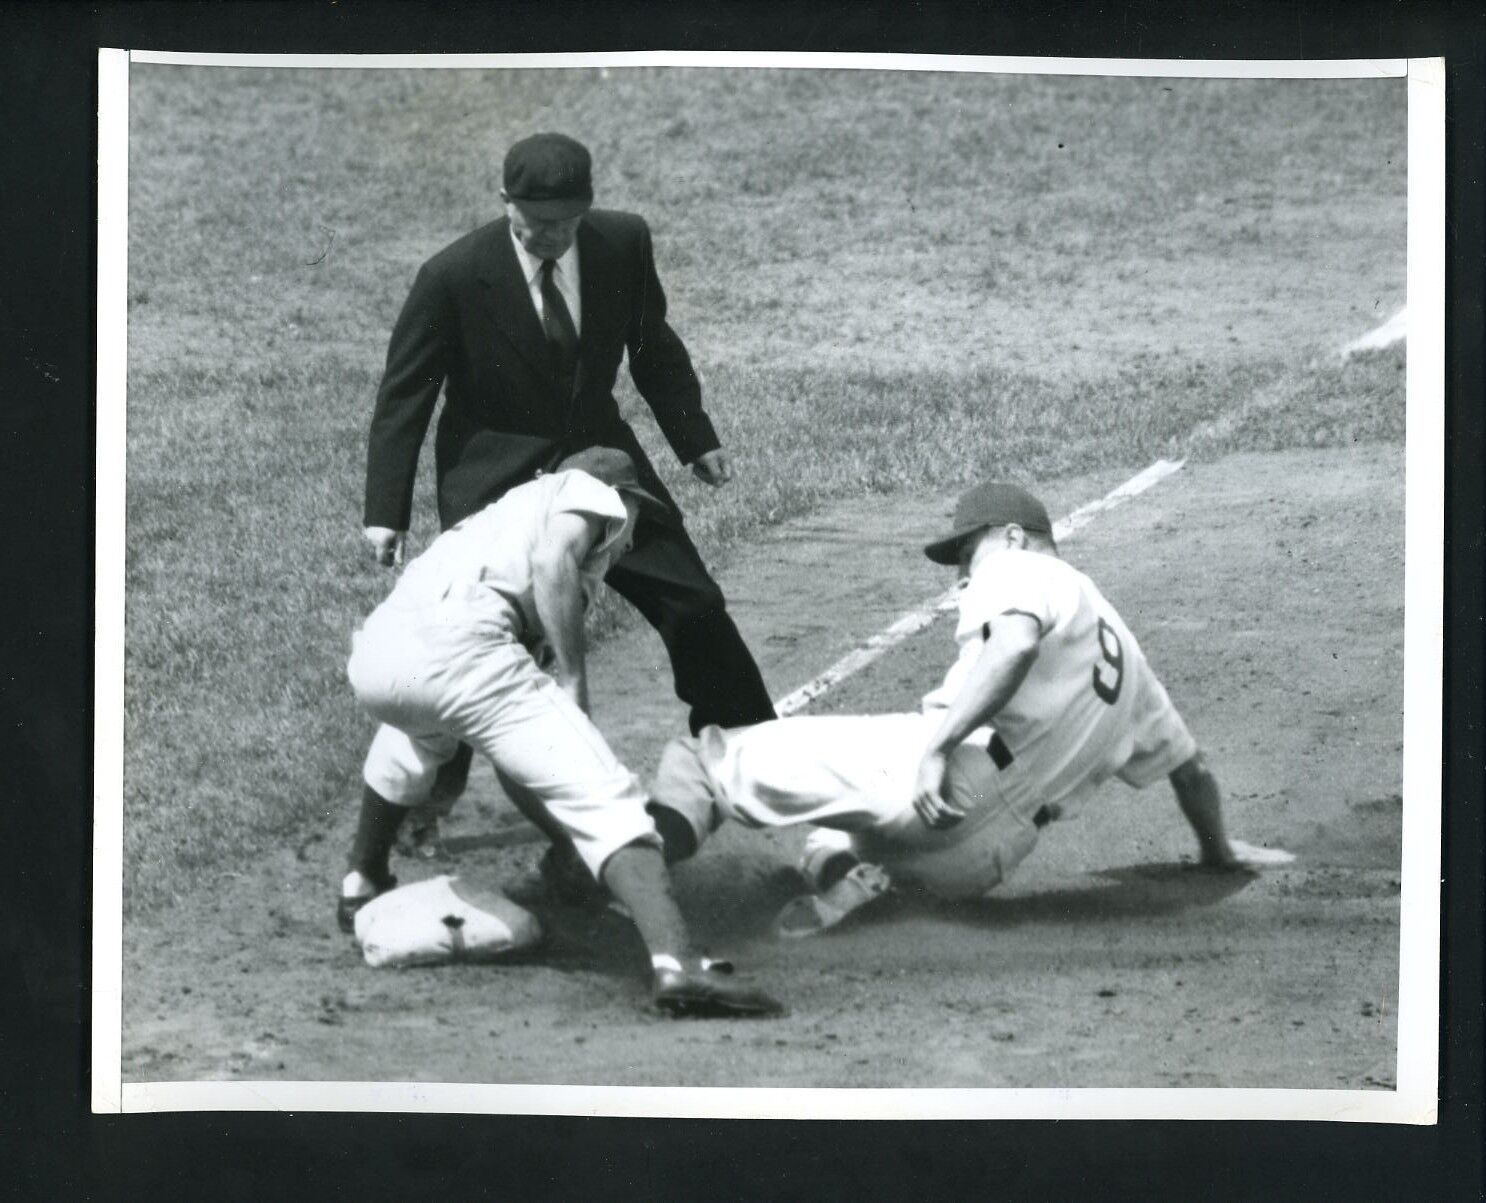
x: 889, y: 282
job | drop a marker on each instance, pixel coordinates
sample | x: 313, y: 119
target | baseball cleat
x: 707, y: 993
x: 811, y: 914
x: 347, y: 905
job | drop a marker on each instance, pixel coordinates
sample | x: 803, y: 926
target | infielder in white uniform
x: 482, y: 642
x: 1049, y: 697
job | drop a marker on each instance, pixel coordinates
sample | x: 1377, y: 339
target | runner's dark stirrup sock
x: 675, y: 832
x: 835, y: 869
x: 376, y: 830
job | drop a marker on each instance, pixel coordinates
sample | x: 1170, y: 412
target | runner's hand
x: 714, y: 468
x: 928, y: 793
x: 1247, y: 858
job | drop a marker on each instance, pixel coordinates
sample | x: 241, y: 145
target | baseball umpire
x: 1050, y: 696
x: 523, y: 324
x: 481, y: 643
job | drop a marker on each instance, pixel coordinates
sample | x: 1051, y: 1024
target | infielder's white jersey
x: 1089, y: 707
x: 486, y: 559
x: 455, y: 654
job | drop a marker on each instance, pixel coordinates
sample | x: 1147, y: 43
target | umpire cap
x: 995, y: 503
x: 550, y: 176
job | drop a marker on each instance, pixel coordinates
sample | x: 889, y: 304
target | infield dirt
x: 1267, y: 591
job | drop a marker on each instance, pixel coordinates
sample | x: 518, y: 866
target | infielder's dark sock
x: 675, y: 832
x: 376, y: 830
x: 448, y: 786
x: 835, y: 869
x: 453, y: 776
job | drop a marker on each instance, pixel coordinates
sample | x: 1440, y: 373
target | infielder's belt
x: 1002, y: 758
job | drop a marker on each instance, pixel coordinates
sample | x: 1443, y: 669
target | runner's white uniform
x: 454, y: 655
x: 1090, y: 707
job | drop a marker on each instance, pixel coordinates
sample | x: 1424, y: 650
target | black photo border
x: 48, y: 206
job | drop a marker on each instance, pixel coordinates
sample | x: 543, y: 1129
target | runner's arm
x: 1010, y: 651
x: 1201, y: 801
x: 1004, y: 662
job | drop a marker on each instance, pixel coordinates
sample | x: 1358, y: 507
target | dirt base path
x: 1267, y: 592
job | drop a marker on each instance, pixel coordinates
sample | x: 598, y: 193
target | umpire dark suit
x: 470, y: 327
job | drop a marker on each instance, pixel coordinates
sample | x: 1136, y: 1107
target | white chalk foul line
x: 921, y: 616
x: 1395, y: 329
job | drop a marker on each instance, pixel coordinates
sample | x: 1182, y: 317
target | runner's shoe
x: 811, y: 914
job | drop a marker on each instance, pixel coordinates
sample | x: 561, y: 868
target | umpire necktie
x: 562, y: 335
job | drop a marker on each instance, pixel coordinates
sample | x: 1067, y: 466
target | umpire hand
x: 714, y: 468
x: 386, y: 544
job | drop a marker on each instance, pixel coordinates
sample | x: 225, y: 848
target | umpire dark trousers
x: 664, y: 578
x: 715, y: 674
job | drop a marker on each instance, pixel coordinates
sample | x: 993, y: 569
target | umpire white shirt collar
x: 564, y: 275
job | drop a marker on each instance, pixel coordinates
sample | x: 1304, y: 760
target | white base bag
x: 427, y: 923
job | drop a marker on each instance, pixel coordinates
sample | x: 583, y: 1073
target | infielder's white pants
x: 453, y: 673
x: 853, y: 778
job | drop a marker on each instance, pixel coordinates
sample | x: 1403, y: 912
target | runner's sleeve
x: 1022, y: 583
x: 1162, y: 741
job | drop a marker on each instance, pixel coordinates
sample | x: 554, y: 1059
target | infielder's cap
x: 615, y: 468
x: 550, y: 176
x: 995, y: 503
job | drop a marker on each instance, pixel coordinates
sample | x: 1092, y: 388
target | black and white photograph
x: 871, y: 579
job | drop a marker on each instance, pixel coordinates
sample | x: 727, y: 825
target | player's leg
x: 553, y: 761
x: 390, y: 671
x: 827, y: 856
x: 420, y: 836
x: 715, y: 674
x: 683, y: 799
x: 563, y: 872
x: 842, y: 882
x: 683, y: 981
x: 848, y: 773
x: 686, y: 801
x: 636, y: 876
x: 839, y: 771
x: 399, y: 771
x: 554, y: 756
x: 530, y: 805
x: 852, y: 772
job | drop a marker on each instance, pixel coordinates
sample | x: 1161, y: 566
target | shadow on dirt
x: 727, y: 908
x: 514, y: 835
x: 1136, y: 891
x: 724, y: 904
x: 588, y: 941
x: 739, y: 903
